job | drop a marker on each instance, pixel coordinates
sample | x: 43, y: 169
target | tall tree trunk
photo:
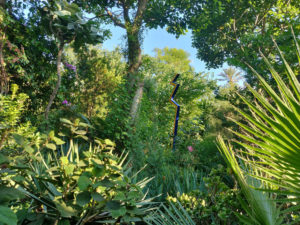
x: 134, y: 52
x: 134, y: 55
x: 58, y: 65
x: 134, y: 62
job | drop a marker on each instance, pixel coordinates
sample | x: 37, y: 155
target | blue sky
x: 160, y: 38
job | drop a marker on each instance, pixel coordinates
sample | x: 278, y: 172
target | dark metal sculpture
x: 176, y: 86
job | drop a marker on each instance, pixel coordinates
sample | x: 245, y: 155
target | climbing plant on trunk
x: 133, y: 16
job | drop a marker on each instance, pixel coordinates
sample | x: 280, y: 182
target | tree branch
x: 142, y: 4
x: 125, y: 12
x: 115, y: 20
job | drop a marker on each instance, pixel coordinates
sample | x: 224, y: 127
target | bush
x: 66, y: 182
x: 217, y: 204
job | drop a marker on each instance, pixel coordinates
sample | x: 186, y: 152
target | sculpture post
x: 176, y: 86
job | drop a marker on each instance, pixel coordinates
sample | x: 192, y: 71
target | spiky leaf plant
x: 171, y: 215
x: 270, y: 141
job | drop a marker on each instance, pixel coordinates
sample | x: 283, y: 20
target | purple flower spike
x: 65, y: 102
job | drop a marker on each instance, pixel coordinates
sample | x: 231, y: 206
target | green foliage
x: 176, y: 59
x: 99, y: 73
x: 235, y: 32
x: 71, y: 182
x: 11, y: 109
x: 150, y: 141
x: 260, y: 206
x: 12, y: 57
x: 67, y: 23
x: 215, y: 204
x: 270, y: 142
x: 170, y: 215
x: 68, y: 176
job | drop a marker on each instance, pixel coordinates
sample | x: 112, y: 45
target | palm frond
x: 171, y: 215
x: 271, y: 145
x: 260, y: 206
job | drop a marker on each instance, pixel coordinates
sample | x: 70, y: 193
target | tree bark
x: 54, y: 93
x: 134, y: 53
x: 136, y: 101
x: 134, y: 56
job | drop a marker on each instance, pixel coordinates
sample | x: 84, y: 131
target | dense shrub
x: 67, y: 181
x: 216, y: 204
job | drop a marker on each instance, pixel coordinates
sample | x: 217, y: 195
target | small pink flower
x: 190, y: 148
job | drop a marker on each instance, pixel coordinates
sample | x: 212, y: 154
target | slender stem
x: 54, y: 93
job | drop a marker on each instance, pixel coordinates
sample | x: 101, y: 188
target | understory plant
x: 269, y: 165
x: 216, y: 203
x: 170, y: 215
x: 61, y: 180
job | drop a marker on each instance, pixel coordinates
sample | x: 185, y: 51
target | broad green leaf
x: 83, y: 182
x: 109, y: 142
x: 66, y: 121
x: 97, y: 197
x: 113, y: 205
x: 28, y: 149
x: 3, y: 159
x: 7, y: 216
x: 98, y: 171
x: 58, y: 141
x: 107, y: 183
x: 51, y: 146
x: 65, y: 211
x: 69, y: 169
x: 119, y: 212
x: 83, y: 198
x: 80, y: 132
x: 120, y: 196
x: 51, y: 134
x: 9, y: 193
x: 19, y: 139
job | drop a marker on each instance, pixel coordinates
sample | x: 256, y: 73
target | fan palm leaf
x: 270, y: 138
x: 172, y: 215
x: 259, y: 206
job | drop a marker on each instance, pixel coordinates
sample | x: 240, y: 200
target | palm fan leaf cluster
x: 271, y: 143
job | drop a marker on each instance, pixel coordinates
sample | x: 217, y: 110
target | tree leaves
x: 62, y: 13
